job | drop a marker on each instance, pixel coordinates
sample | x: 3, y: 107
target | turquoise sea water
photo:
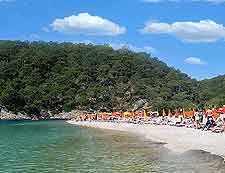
x: 55, y: 146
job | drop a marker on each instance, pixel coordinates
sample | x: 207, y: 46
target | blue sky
x: 186, y: 34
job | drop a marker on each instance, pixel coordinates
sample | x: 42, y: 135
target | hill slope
x: 55, y: 77
x: 213, y: 91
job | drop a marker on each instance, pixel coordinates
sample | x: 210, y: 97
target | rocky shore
x: 7, y: 115
x: 11, y: 116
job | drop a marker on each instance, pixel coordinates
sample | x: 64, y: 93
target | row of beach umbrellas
x: 220, y: 110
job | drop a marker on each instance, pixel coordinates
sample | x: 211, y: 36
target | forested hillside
x: 61, y: 77
x: 213, y: 91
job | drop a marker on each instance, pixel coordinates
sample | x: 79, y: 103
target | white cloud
x: 211, y: 1
x: 34, y: 36
x: 45, y: 29
x: 152, y: 1
x: 194, y: 61
x: 156, y: 1
x: 6, y: 1
x: 203, y: 31
x: 207, y: 1
x: 147, y: 49
x: 87, y: 24
x: 117, y: 46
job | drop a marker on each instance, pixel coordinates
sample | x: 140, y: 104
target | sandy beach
x: 176, y: 139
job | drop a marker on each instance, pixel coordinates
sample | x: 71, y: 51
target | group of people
x: 199, y: 120
x: 217, y: 125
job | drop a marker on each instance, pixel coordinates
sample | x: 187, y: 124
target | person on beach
x: 201, y: 116
x: 193, y: 119
x: 220, y: 127
x: 223, y: 129
x: 210, y: 122
x: 197, y: 120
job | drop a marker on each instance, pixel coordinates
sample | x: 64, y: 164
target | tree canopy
x: 58, y: 77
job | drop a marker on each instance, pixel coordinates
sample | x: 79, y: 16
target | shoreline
x: 14, y: 117
x: 30, y: 119
x: 176, y: 139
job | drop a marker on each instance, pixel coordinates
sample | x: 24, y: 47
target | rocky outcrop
x: 10, y: 116
x: 67, y: 115
x: 44, y: 115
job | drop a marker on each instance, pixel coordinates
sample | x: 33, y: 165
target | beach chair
x: 219, y: 129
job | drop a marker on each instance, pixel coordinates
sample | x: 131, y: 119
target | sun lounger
x: 218, y: 129
x: 189, y: 125
x: 178, y: 124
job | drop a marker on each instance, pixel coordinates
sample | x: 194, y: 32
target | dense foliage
x: 213, y: 91
x: 61, y: 77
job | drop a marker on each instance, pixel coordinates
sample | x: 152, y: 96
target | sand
x: 177, y: 139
